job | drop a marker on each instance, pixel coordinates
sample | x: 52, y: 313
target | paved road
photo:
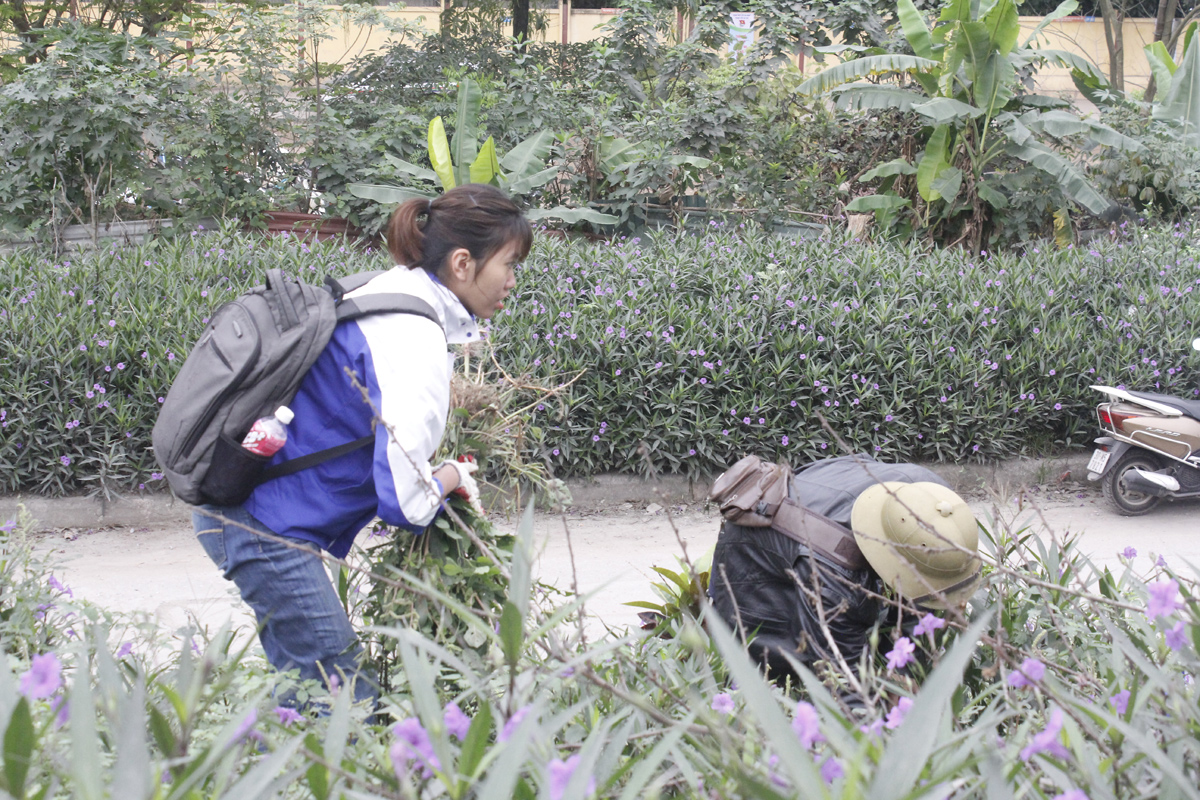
x: 163, y: 571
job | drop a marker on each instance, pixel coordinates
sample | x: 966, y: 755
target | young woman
x: 458, y: 253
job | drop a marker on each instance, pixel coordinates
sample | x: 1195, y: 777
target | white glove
x: 467, y: 489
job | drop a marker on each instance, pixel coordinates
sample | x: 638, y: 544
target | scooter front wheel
x: 1126, y: 501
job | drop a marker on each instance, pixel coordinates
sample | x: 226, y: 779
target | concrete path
x: 161, y: 570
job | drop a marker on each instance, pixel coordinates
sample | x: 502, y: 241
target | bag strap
x: 339, y: 287
x: 820, y: 534
x: 386, y: 304
x: 312, y: 459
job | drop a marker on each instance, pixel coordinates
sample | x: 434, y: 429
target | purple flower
x: 125, y: 649
x: 57, y: 586
x: 784, y: 441
x: 1163, y: 600
x: 901, y: 654
x: 61, y: 710
x: 831, y: 770
x: 1176, y: 639
x: 246, y: 726
x: 896, y: 716
x: 1129, y: 553
x: 1031, y: 670
x: 457, y: 723
x: 1120, y: 701
x: 66, y: 461
x: 874, y: 729
x: 511, y: 725
x: 928, y: 624
x: 723, y: 703
x: 1047, y: 741
x: 413, y: 742
x: 288, y: 715
x: 43, y: 678
x: 807, y: 724
x: 560, y: 773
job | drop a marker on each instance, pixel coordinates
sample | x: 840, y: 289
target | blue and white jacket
x: 405, y: 365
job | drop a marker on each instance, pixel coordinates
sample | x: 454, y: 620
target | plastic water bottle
x: 269, y: 434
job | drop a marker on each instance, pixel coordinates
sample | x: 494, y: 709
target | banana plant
x: 962, y: 80
x: 460, y: 160
x: 1180, y: 86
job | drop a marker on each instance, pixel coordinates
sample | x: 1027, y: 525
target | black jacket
x: 766, y: 586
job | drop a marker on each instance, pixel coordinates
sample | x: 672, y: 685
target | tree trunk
x: 520, y: 16
x: 1114, y: 36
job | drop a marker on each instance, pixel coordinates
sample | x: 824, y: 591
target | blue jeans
x: 302, y: 624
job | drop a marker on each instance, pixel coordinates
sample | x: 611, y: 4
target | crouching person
x: 802, y: 559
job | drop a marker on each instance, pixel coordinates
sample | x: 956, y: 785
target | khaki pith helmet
x: 919, y: 560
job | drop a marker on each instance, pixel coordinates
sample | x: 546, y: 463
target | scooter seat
x: 1190, y: 408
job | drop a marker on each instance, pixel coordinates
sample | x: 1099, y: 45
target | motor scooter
x: 1150, y: 450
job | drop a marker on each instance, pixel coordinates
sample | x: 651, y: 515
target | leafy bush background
x: 907, y: 354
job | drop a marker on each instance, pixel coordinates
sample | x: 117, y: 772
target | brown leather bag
x: 750, y: 492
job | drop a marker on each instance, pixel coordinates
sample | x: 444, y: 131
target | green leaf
x: 532, y: 181
x: 85, y: 766
x: 317, y: 775
x: 944, y: 110
x: 1004, y: 26
x: 476, y: 743
x: 990, y: 196
x: 1181, y: 102
x: 386, y: 195
x: 19, y: 740
x: 932, y: 162
x: 1072, y: 61
x: 1059, y: 124
x: 485, y: 167
x: 871, y: 97
x: 572, y: 216
x: 421, y: 173
x: 265, y: 779
x: 512, y: 634
x: 915, y: 30
x: 1065, y: 9
x: 464, y: 147
x: 1162, y: 66
x: 131, y: 772
x: 947, y: 185
x: 439, y: 154
x: 995, y: 84
x: 529, y: 156
x: 847, y: 71
x: 1069, y: 178
x: 897, y: 166
x: 649, y: 763
x: 877, y: 202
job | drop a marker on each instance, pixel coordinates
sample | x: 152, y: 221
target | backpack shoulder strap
x: 339, y: 287
x: 386, y: 304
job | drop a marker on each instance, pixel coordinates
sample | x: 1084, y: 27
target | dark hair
x: 476, y: 216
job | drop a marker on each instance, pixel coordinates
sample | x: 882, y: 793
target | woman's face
x: 482, y: 287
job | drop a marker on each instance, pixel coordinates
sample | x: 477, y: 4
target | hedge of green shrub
x: 695, y: 348
x: 1059, y: 681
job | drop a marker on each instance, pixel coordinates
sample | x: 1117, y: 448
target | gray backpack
x: 248, y: 362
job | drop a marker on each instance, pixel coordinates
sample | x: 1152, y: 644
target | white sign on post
x: 741, y: 32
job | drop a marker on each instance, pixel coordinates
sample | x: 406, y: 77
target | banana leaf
x: 439, y: 154
x: 849, y: 71
x: 1162, y: 66
x: 995, y: 84
x: 464, y: 147
x: 897, y: 166
x: 485, y: 167
x: 408, y: 168
x: 529, y: 156
x: 1065, y: 9
x: 877, y: 202
x: 1181, y: 102
x: 695, y: 161
x: 1072, y: 61
x: 532, y: 181
x: 915, y: 30
x: 1004, y: 26
x: 387, y: 195
x: 870, y: 97
x: 616, y: 153
x: 1060, y: 123
x: 991, y: 196
x: 572, y: 215
x: 933, y: 162
x: 947, y: 185
x: 944, y: 110
x: 1070, y: 179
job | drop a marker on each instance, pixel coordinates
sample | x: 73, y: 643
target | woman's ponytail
x: 405, y: 240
